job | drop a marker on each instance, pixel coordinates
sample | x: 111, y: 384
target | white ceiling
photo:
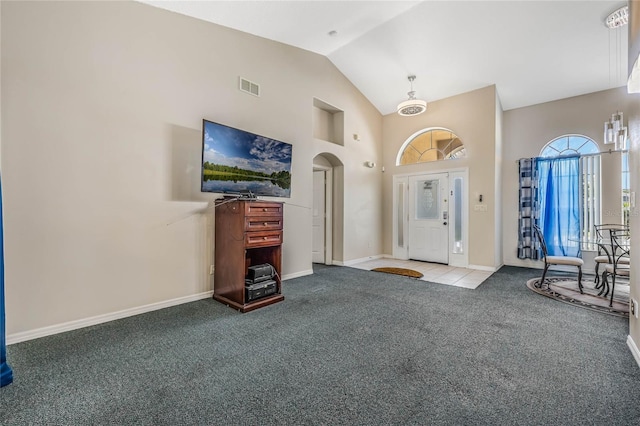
x: 533, y: 51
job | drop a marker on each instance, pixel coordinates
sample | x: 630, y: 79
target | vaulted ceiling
x: 533, y: 51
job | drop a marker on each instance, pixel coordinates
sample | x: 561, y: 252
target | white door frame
x: 328, y: 212
x: 400, y: 216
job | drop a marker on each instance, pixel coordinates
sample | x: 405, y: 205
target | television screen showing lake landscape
x: 235, y: 161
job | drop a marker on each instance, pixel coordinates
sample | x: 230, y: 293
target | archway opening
x: 328, y: 207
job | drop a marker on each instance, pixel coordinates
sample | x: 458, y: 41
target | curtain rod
x: 611, y: 151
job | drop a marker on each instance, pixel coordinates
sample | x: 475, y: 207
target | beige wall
x: 471, y: 116
x: 634, y: 167
x: 498, y: 183
x: 102, y: 109
x: 527, y: 130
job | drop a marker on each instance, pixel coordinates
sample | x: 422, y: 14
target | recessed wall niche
x: 328, y: 122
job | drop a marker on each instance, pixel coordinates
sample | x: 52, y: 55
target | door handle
x: 444, y: 223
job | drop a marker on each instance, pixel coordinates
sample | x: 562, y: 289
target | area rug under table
x: 399, y: 271
x: 566, y: 290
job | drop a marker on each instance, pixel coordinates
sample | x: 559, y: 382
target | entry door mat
x: 399, y: 271
x: 566, y: 290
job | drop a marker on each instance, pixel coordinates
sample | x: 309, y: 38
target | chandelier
x: 412, y: 106
x: 618, y: 18
x: 615, y: 132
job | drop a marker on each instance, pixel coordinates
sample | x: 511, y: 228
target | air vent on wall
x: 249, y: 87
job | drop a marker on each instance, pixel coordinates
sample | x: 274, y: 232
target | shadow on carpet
x: 399, y: 271
x: 566, y: 290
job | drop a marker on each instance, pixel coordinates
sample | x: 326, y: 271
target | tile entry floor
x: 433, y: 272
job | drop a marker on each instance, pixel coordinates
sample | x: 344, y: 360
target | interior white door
x: 428, y: 218
x: 318, y: 217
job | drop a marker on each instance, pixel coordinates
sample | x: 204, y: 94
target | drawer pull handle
x: 265, y: 224
x: 264, y: 210
x: 264, y: 238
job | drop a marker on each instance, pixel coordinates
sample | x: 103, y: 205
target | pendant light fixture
x: 618, y: 18
x: 412, y: 106
x: 615, y: 132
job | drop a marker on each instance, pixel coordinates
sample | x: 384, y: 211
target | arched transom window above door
x: 569, y: 145
x: 432, y: 144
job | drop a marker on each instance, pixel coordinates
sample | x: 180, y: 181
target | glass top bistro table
x: 614, y: 250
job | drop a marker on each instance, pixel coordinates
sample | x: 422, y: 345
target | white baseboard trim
x: 297, y: 274
x: 362, y: 259
x: 99, y: 319
x: 482, y: 268
x: 634, y: 349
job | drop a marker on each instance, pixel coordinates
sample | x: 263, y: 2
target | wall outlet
x: 211, y: 269
x: 633, y: 307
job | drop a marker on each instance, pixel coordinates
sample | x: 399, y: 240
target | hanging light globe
x: 412, y: 106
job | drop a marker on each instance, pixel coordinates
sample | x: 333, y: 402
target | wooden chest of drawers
x: 247, y: 233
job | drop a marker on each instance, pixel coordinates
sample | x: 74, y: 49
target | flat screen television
x: 242, y: 163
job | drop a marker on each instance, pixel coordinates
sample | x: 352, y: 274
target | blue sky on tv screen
x: 233, y: 147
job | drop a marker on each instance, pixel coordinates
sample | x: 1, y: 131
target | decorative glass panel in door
x: 458, y: 244
x: 427, y: 200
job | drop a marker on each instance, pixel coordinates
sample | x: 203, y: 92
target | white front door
x: 428, y: 218
x: 318, y: 218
